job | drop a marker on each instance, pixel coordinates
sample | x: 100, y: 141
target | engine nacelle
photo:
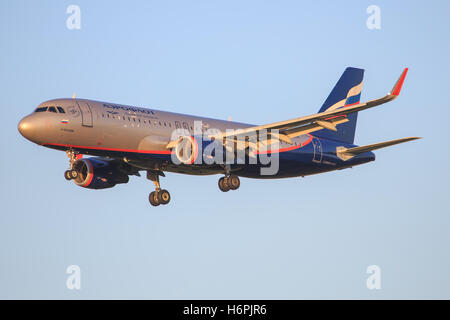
x: 186, y: 150
x: 195, y: 150
x: 191, y: 150
x: 97, y: 173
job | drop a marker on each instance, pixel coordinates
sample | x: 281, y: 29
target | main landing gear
x: 159, y: 196
x: 71, y: 173
x: 229, y: 182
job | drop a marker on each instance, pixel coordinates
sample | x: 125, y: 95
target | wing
x: 324, y: 120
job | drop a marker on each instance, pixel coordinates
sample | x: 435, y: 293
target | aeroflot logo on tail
x: 211, y: 147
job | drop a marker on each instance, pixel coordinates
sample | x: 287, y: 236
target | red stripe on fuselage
x: 168, y: 152
x: 108, y: 149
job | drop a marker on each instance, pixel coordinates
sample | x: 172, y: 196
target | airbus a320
x: 124, y: 140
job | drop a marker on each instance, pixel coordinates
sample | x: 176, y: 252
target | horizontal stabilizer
x: 345, y: 153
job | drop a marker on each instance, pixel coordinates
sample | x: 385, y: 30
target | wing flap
x: 298, y: 131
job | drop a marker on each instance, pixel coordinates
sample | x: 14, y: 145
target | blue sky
x: 258, y: 62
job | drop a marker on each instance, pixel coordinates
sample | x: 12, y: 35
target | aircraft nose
x: 27, y: 128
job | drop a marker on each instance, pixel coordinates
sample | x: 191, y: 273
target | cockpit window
x: 50, y: 109
x: 41, y: 109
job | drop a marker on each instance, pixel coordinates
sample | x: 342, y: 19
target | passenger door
x: 86, y: 113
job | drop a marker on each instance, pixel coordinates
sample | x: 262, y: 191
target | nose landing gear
x: 71, y: 173
x: 159, y: 196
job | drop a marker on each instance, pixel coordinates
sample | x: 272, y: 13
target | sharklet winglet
x: 398, y: 85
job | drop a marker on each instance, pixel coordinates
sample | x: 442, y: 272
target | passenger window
x: 41, y: 109
x: 177, y: 125
x: 185, y: 126
x: 52, y: 109
x: 61, y: 110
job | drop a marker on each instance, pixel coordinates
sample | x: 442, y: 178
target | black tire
x: 73, y: 174
x: 152, y: 198
x: 67, y: 175
x: 233, y: 182
x: 163, y: 196
x: 223, y: 185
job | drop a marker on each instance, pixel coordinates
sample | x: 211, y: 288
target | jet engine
x: 186, y: 149
x: 98, y: 173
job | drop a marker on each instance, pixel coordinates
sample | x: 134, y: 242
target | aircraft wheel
x: 223, y: 185
x: 233, y: 182
x: 153, y: 199
x: 163, y: 196
x: 67, y: 175
x: 73, y: 174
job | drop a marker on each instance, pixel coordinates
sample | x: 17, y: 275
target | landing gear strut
x: 159, y: 196
x: 71, y: 173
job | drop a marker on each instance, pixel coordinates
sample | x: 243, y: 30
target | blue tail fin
x: 347, y: 91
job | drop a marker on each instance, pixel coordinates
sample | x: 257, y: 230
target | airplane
x: 123, y: 140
